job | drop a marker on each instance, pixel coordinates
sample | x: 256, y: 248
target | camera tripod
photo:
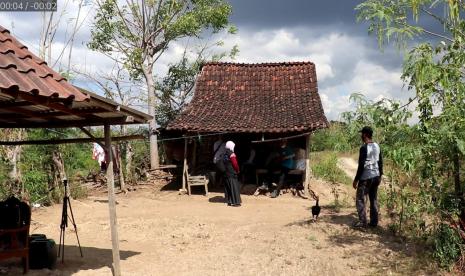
x: 64, y: 223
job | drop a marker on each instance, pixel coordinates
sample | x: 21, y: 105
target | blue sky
x: 322, y: 31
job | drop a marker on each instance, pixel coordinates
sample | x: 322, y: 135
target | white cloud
x: 345, y: 63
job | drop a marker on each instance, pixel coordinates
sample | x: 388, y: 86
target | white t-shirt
x: 371, y: 168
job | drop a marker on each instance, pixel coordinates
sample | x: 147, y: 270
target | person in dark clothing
x: 232, y: 192
x: 368, y: 178
x: 287, y: 163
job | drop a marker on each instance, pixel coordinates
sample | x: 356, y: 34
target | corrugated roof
x: 22, y: 71
x: 266, y: 97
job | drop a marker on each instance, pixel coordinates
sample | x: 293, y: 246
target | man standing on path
x: 367, y: 179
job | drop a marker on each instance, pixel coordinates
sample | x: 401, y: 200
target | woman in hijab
x: 231, y: 188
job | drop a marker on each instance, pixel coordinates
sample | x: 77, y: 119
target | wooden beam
x: 112, y: 202
x: 27, y: 114
x: 70, y: 123
x: 87, y: 132
x: 8, y: 104
x: 71, y: 141
x: 63, y: 106
x: 280, y: 139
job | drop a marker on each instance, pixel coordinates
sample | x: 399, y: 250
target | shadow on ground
x: 337, y: 223
x: 94, y: 259
x: 217, y: 199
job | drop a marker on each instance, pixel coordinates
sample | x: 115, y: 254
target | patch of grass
x: 324, y: 166
x: 312, y: 238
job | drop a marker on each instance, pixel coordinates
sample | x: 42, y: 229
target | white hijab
x: 230, y: 145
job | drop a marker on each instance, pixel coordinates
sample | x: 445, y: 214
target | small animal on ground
x: 316, y: 210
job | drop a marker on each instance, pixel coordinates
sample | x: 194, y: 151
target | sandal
x: 359, y: 224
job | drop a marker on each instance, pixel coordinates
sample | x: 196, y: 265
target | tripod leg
x: 75, y: 227
x: 63, y: 248
x: 62, y: 226
x: 59, y: 245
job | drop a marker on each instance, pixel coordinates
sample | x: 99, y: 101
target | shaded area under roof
x: 22, y: 110
x: 254, y: 98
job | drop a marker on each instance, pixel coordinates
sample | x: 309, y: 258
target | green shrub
x: 447, y: 245
x: 334, y: 138
x: 324, y: 166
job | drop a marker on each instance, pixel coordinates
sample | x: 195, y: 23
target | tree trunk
x: 148, y: 74
x: 129, y: 154
x: 59, y: 174
x: 59, y: 164
x: 122, y: 184
x: 15, y: 173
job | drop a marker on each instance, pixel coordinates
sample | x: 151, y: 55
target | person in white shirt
x: 368, y: 178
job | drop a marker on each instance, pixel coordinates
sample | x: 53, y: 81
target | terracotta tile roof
x: 22, y: 70
x: 267, y: 97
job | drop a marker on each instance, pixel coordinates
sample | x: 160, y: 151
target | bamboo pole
x: 184, y: 168
x: 111, y: 202
x: 70, y: 141
x: 307, y: 164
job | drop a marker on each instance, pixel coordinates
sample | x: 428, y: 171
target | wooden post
x: 111, y: 202
x: 194, y: 155
x: 307, y: 164
x: 184, y: 168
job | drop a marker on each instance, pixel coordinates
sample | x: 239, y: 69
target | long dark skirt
x: 232, y: 191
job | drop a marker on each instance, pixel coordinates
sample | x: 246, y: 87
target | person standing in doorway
x: 232, y: 192
x: 368, y: 178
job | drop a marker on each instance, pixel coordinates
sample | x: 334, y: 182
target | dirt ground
x: 165, y: 233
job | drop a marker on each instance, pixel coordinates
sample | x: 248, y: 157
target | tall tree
x: 434, y: 69
x: 138, y: 32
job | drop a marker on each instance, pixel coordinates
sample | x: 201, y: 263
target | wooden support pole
x: 307, y: 164
x: 194, y: 155
x: 184, y: 168
x: 111, y: 202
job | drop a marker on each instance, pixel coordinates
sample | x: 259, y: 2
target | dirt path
x: 348, y: 165
x: 169, y: 234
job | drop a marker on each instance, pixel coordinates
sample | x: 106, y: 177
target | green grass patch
x: 324, y: 166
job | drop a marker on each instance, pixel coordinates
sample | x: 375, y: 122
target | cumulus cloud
x: 345, y: 64
x: 346, y: 60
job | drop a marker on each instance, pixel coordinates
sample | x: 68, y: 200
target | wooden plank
x: 164, y: 167
x: 197, y: 177
x: 27, y: 114
x: 112, y: 202
x: 70, y: 141
x: 283, y: 138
